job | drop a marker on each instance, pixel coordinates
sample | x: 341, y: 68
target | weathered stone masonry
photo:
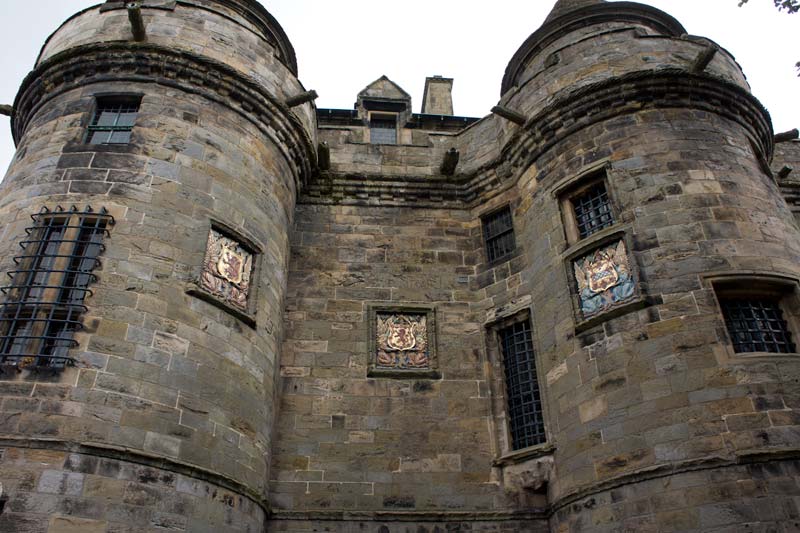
x: 295, y: 328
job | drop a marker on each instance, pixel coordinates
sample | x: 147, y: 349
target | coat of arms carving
x: 402, y: 341
x: 227, y: 269
x: 604, y: 279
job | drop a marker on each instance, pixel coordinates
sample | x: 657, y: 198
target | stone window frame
x: 783, y: 288
x: 248, y: 316
x: 489, y: 214
x: 505, y: 454
x: 608, y: 236
x: 49, y: 288
x: 108, y: 99
x: 373, y: 371
x: 569, y: 189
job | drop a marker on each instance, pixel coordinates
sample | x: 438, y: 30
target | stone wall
x: 350, y: 443
x: 635, y: 399
x: 183, y: 413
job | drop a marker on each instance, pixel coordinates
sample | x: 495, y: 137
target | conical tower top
x: 563, y: 7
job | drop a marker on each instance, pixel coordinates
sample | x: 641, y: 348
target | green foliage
x: 790, y: 6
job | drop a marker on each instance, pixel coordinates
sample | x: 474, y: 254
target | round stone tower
x: 145, y: 224
x: 664, y: 268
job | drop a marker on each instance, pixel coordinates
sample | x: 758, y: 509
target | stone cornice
x: 148, y: 63
x: 565, y: 116
x: 580, y: 18
x: 251, y: 10
x: 676, y: 88
x: 254, y: 12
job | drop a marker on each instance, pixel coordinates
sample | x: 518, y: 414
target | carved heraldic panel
x: 227, y: 270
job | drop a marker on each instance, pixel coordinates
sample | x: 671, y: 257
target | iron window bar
x: 113, y: 120
x: 45, y: 301
x: 383, y: 130
x: 757, y: 325
x: 498, y: 234
x: 523, y: 398
x: 592, y: 210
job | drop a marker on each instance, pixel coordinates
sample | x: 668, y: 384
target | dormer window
x: 383, y: 128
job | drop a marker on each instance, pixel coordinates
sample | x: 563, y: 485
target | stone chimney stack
x: 438, y: 97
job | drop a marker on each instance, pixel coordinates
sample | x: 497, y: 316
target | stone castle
x: 227, y: 310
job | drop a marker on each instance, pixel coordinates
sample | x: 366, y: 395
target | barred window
x: 592, y: 210
x: 383, y: 129
x: 113, y: 120
x: 526, y: 420
x: 45, y: 301
x: 757, y: 325
x: 498, y: 233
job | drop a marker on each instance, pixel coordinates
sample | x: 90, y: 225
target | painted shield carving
x: 604, y: 279
x: 227, y: 269
x: 402, y: 341
x: 230, y: 265
x: 400, y: 334
x: 602, y: 275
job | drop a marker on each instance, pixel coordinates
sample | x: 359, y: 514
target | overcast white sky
x: 342, y: 45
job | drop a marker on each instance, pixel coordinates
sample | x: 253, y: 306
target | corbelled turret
x: 146, y: 222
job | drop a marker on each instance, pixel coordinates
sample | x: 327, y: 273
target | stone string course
x: 181, y: 416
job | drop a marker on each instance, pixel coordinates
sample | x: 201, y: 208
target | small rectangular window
x: 383, y: 129
x: 498, y: 234
x: 592, y: 210
x: 587, y: 206
x: 526, y: 420
x: 757, y: 325
x: 45, y: 300
x: 113, y: 120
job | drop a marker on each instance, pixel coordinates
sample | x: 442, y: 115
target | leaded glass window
x: 526, y: 421
x: 45, y: 301
x: 113, y: 120
x: 592, y: 210
x: 498, y: 233
x: 757, y: 325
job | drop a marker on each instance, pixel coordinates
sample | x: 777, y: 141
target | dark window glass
x: 45, y: 301
x: 113, y: 120
x: 592, y: 210
x: 498, y: 233
x: 383, y: 130
x: 757, y: 325
x: 522, y: 386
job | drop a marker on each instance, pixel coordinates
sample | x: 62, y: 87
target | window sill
x: 127, y: 148
x: 596, y: 240
x: 525, y: 454
x: 489, y: 265
x: 761, y: 356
